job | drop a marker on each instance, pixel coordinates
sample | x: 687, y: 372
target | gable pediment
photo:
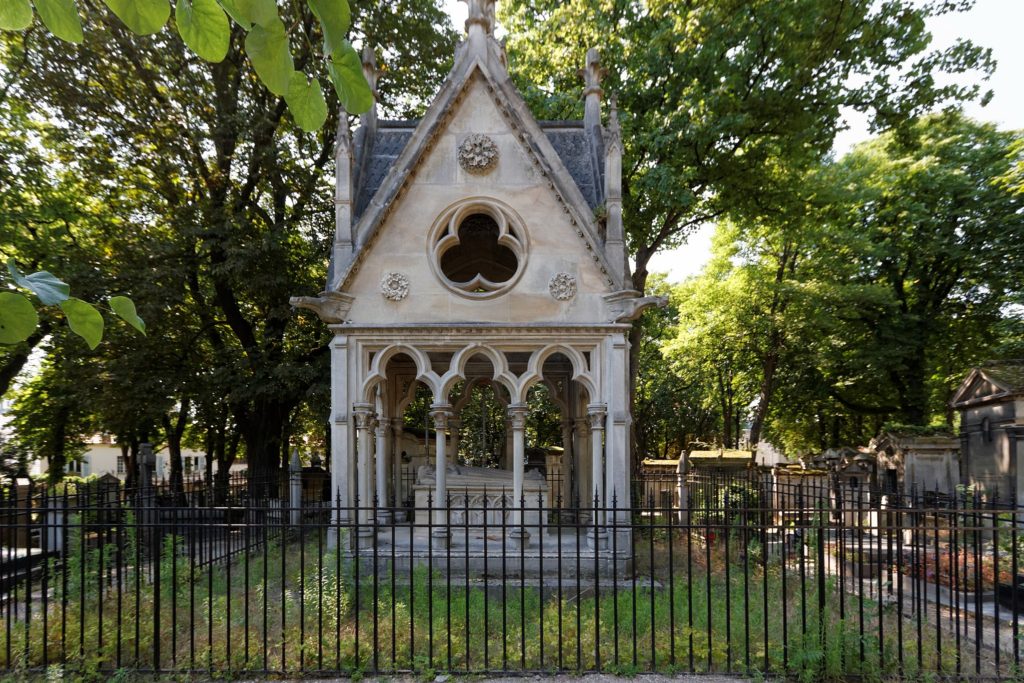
x: 576, y: 198
x: 980, y: 387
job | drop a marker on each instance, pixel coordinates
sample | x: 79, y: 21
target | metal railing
x: 837, y: 583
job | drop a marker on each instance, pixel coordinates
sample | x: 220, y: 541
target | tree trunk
x: 57, y: 460
x: 174, y: 433
x: 263, y: 428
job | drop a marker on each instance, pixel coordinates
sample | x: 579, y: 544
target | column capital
x: 581, y: 424
x: 364, y: 415
x: 441, y: 413
x: 381, y: 425
x: 517, y: 413
x: 597, y: 412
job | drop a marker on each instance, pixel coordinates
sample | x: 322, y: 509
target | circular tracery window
x: 478, y: 248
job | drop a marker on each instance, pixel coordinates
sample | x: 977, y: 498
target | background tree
x: 230, y: 207
x: 725, y: 103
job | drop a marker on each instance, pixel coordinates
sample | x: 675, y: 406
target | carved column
x: 455, y: 427
x: 381, y: 429
x: 517, y: 417
x: 396, y: 461
x: 365, y: 419
x: 597, y: 414
x: 568, y: 468
x: 583, y: 497
x: 441, y: 413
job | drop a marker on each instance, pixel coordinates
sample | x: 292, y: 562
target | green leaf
x: 125, y: 309
x: 249, y: 12
x: 141, y: 16
x: 84, y: 320
x: 346, y: 69
x: 335, y: 18
x: 204, y: 27
x: 43, y: 284
x: 271, y: 56
x: 306, y: 102
x: 18, y: 318
x: 61, y: 17
x: 15, y: 15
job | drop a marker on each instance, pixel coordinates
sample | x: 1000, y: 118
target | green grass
x: 308, y: 616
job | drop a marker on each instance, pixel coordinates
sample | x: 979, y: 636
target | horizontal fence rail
x: 726, y: 573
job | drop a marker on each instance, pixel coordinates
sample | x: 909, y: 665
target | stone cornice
x: 480, y: 329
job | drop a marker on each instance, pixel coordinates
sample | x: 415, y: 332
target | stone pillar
x: 455, y: 427
x: 597, y: 414
x: 568, y: 470
x: 381, y: 429
x: 395, y: 446
x: 365, y: 420
x: 583, y: 488
x: 295, y: 489
x: 507, y: 452
x: 441, y: 413
x: 341, y: 447
x: 517, y: 418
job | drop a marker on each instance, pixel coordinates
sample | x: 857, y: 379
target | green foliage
x: 18, y: 318
x: 61, y: 18
x: 84, y: 320
x: 204, y: 27
x: 710, y: 614
x: 267, y: 47
x: 125, y: 309
x: 186, y: 184
x: 335, y: 18
x: 349, y: 83
x: 44, y: 285
x: 141, y: 16
x: 15, y: 15
x: 869, y: 297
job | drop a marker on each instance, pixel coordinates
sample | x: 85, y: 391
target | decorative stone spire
x: 371, y: 73
x: 592, y: 75
x: 343, y: 196
x: 481, y: 13
x: 615, y: 244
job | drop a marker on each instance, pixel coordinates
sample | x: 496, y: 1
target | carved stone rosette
x: 562, y: 286
x: 478, y: 154
x: 394, y: 286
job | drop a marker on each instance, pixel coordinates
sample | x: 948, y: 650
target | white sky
x: 992, y: 23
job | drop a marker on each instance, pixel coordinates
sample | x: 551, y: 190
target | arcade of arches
x: 385, y: 468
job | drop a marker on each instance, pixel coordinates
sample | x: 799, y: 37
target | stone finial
x: 482, y: 13
x: 593, y: 73
x: 614, y: 137
x: 370, y: 69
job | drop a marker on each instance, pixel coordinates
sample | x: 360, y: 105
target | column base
x: 520, y: 538
x: 440, y: 537
x: 384, y: 517
x: 597, y: 538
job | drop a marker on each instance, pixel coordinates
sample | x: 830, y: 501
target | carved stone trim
x: 562, y: 286
x: 332, y: 307
x: 394, y: 286
x: 478, y: 154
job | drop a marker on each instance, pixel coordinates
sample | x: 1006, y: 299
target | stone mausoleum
x: 990, y: 401
x: 479, y: 247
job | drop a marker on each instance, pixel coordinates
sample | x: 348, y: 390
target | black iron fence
x: 812, y: 580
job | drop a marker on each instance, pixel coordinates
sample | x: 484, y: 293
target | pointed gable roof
x: 561, y: 150
x: 990, y: 382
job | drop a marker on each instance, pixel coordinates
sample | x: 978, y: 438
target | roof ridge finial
x: 593, y: 73
x: 370, y: 70
x: 481, y: 12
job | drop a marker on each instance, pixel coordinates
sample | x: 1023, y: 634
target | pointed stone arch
x: 535, y: 370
